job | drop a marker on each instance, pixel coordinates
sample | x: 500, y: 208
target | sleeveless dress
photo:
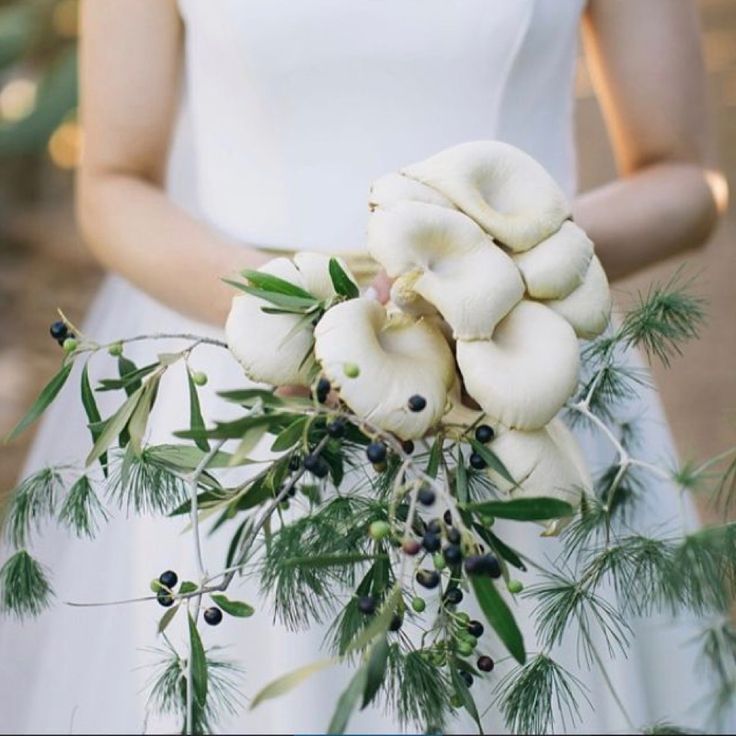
x: 290, y: 110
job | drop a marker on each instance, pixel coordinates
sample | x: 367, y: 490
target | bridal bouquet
x: 419, y: 424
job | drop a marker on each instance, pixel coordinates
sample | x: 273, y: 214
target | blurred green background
x: 43, y: 264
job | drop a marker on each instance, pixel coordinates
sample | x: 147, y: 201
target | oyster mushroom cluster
x: 493, y: 284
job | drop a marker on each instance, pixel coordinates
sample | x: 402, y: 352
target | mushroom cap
x: 393, y: 188
x: 502, y: 188
x: 557, y: 266
x: 455, y: 266
x: 526, y: 372
x: 398, y: 357
x: 543, y: 462
x: 587, y: 308
x: 267, y: 345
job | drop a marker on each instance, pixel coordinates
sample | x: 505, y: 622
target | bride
x: 216, y: 132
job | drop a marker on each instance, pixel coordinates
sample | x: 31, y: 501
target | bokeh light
x: 65, y: 145
x: 17, y: 99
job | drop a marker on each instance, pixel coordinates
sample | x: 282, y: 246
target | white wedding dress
x: 290, y: 110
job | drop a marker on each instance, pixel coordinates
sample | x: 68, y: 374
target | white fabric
x: 292, y: 109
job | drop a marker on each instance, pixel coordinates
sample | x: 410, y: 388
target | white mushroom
x: 544, y: 462
x: 393, y: 188
x: 504, y: 189
x: 449, y: 261
x: 271, y: 347
x: 526, y: 372
x: 397, y: 356
x: 557, y: 266
x: 588, y: 308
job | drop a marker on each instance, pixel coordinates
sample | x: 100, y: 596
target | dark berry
x: 59, y: 330
x: 323, y: 386
x: 483, y: 565
x: 467, y: 677
x: 491, y: 566
x: 396, y: 622
x: 454, y: 596
x: 316, y: 465
x: 447, y: 516
x: 311, y: 462
x: 292, y: 491
x: 336, y: 428
x: 376, y: 452
x: 434, y: 526
x: 428, y: 578
x: 484, y: 433
x: 213, y: 616
x: 453, y: 536
x: 407, y: 446
x: 164, y: 598
x: 411, y: 547
x: 322, y: 470
x: 452, y: 554
x: 477, y: 462
x: 476, y: 629
x: 426, y: 496
x: 168, y: 579
x: 485, y: 664
x: 431, y: 542
x: 417, y: 403
x: 367, y: 604
x: 295, y: 463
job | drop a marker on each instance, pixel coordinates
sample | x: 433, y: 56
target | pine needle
x: 532, y: 696
x: 82, y: 511
x: 24, y: 587
x: 32, y: 502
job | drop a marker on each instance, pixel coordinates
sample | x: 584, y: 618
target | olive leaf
x: 492, y: 460
x: 286, y: 683
x: 341, y: 282
x: 198, y: 664
x: 234, y: 608
x: 347, y: 702
x: 196, y: 420
x: 93, y: 413
x: 269, y: 282
x: 539, y: 508
x: 375, y: 670
x: 499, y: 616
x: 113, y: 426
x: 47, y: 395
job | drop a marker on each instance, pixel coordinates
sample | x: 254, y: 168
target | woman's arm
x: 130, y: 67
x: 647, y: 68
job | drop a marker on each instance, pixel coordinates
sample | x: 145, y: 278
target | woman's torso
x: 295, y: 107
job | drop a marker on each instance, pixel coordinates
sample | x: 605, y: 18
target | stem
x: 606, y: 677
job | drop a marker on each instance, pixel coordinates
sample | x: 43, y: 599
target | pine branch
x: 665, y: 318
x: 32, y: 503
x: 532, y: 696
x: 563, y: 600
x: 82, y: 511
x: 24, y: 587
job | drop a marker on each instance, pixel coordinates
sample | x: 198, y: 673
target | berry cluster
x: 166, y: 597
x: 66, y: 339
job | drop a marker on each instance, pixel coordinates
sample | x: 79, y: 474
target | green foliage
x: 32, y: 503
x: 44, y: 400
x: 417, y: 690
x: 145, y: 485
x: 666, y: 317
x: 563, y: 600
x: 24, y: 587
x: 82, y: 511
x: 305, y: 593
x: 533, y: 696
x: 168, y: 689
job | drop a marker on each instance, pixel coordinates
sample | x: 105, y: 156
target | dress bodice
x: 296, y: 107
